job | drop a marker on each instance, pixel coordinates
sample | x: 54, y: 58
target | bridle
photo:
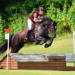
x: 52, y: 27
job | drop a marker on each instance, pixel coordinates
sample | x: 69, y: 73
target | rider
x: 35, y: 17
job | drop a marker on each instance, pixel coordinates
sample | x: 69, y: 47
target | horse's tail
x: 3, y: 48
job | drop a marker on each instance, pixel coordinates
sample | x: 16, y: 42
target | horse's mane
x: 45, y: 19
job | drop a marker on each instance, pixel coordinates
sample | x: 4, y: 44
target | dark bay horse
x: 39, y: 34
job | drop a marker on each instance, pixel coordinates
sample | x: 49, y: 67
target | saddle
x: 31, y: 30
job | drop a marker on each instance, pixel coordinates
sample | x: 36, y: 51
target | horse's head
x: 48, y: 23
x: 52, y: 28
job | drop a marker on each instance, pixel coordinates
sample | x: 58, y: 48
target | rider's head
x: 41, y: 9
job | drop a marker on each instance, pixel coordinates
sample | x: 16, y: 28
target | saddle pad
x: 32, y: 29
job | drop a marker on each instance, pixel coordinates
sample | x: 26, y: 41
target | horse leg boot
x: 47, y: 45
x: 27, y: 35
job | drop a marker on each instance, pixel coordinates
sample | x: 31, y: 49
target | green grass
x: 59, y: 46
x: 63, y: 44
x: 36, y: 72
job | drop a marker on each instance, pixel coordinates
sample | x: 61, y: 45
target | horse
x: 40, y: 33
x: 43, y: 27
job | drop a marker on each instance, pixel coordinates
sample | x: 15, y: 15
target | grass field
x: 62, y: 44
x: 35, y: 72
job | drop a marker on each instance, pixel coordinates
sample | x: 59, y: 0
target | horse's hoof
x: 46, y: 45
x: 41, y: 43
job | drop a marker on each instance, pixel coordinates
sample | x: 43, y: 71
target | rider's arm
x: 35, y: 18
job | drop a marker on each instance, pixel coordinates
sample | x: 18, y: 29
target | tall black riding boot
x: 27, y: 35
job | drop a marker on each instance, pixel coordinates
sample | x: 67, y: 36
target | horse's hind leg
x: 13, y: 50
x: 14, y: 43
x: 19, y: 46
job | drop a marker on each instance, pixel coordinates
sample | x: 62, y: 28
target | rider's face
x: 40, y: 12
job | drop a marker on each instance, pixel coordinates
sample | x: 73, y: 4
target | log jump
x: 38, y: 61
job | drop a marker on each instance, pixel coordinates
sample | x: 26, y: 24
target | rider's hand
x: 40, y: 20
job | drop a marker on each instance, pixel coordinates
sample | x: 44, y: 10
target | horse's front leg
x: 41, y: 39
x: 51, y: 42
x: 48, y: 38
x: 47, y: 45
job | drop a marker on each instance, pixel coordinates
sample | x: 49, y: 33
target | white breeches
x: 30, y: 24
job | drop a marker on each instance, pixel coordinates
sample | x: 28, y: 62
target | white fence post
x: 7, y: 37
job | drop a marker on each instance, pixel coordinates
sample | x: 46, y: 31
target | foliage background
x: 14, y: 14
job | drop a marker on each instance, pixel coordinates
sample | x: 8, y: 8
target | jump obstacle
x: 39, y: 61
